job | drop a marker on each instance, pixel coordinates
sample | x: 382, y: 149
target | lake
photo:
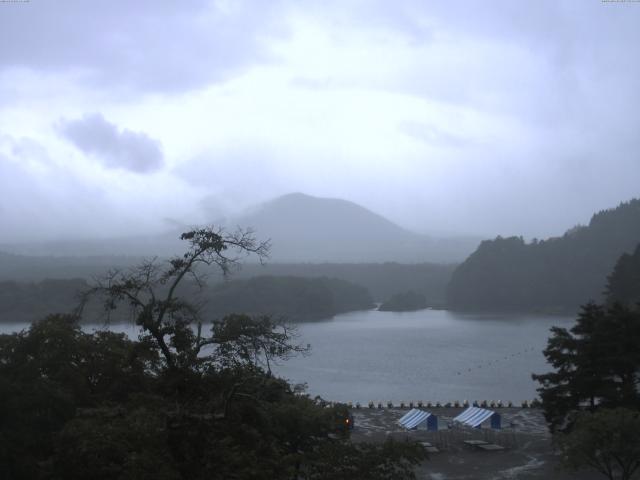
x: 429, y: 355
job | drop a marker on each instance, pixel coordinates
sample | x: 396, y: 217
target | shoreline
x: 527, y: 450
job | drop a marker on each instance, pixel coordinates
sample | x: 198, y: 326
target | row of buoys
x: 456, y: 404
x: 497, y: 360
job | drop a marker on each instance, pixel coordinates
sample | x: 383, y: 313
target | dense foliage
x: 404, y: 302
x: 75, y: 405
x: 557, y: 274
x: 591, y: 400
x: 596, y: 364
x: 292, y: 297
x: 382, y: 280
x: 179, y: 403
x: 20, y: 302
x: 606, y: 440
x: 624, y: 282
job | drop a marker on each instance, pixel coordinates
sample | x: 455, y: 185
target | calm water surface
x: 429, y: 355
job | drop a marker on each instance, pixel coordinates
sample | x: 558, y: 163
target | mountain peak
x: 299, y: 198
x: 294, y: 196
x: 307, y: 228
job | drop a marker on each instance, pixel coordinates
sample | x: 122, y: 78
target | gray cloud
x: 43, y: 203
x: 236, y: 178
x: 125, y: 149
x: 136, y: 46
x: 544, y: 61
x: 551, y: 86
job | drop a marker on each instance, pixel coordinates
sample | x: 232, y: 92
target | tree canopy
x: 596, y: 364
x: 181, y: 402
x: 623, y: 285
x: 605, y: 440
x: 404, y: 302
x: 295, y: 298
x: 557, y: 274
x: 150, y: 289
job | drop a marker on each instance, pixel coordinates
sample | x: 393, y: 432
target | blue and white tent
x: 475, y: 417
x: 416, y: 418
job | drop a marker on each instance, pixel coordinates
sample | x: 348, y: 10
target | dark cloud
x: 125, y: 149
x: 135, y: 46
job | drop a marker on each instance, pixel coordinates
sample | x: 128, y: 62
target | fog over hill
x: 302, y: 228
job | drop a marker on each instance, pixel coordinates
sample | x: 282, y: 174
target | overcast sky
x: 492, y: 117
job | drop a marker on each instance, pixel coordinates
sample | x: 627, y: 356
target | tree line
x: 293, y: 298
x: 296, y: 298
x: 404, y: 302
x: 591, y: 399
x: 554, y: 275
x: 382, y: 280
x: 189, y: 399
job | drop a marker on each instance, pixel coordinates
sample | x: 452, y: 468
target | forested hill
x: 383, y: 280
x: 293, y: 298
x: 624, y: 281
x: 557, y: 274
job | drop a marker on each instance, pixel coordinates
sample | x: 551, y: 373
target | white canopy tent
x: 476, y: 416
x: 416, y: 418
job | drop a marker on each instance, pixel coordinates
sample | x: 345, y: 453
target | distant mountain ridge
x: 302, y: 228
x: 557, y: 274
x: 381, y: 279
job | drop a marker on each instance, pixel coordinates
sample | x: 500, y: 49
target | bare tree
x: 149, y: 290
